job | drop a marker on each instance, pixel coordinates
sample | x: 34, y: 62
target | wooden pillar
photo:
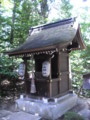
x: 50, y: 80
x: 69, y: 75
x: 59, y: 76
x: 58, y: 64
x: 25, y: 76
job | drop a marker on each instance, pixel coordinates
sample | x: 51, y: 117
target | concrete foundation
x: 49, y: 110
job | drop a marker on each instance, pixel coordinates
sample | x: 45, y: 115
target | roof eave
x: 31, y: 51
x: 82, y: 46
x: 36, y: 50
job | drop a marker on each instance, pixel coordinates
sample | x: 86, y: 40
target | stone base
x: 23, y: 116
x: 48, y: 110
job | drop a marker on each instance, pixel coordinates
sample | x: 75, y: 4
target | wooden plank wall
x: 64, y: 73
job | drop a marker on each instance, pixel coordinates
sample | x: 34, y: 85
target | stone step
x: 24, y: 116
x: 19, y: 116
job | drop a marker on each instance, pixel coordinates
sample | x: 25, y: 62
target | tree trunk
x: 13, y: 21
x: 44, y: 8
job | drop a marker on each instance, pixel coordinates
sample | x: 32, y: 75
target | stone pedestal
x: 49, y: 110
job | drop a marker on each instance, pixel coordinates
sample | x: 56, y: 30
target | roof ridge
x: 54, y: 24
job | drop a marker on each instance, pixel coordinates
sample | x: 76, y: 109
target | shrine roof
x: 50, y: 36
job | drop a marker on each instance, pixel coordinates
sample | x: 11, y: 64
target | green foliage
x: 15, y: 23
x: 26, y: 16
x: 87, y: 93
x: 7, y: 66
x: 72, y: 116
x: 80, y: 60
x: 66, y: 8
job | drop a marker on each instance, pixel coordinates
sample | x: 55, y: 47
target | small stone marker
x: 86, y: 81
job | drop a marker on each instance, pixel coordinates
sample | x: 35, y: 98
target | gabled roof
x: 49, y: 36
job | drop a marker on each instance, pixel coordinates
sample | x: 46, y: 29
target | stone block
x: 48, y: 110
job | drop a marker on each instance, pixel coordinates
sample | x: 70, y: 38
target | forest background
x: 16, y: 18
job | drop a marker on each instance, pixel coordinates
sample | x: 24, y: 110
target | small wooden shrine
x: 50, y: 45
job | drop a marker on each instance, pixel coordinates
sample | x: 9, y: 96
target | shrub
x: 72, y: 116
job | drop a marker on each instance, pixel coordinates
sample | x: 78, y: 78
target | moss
x: 72, y: 116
